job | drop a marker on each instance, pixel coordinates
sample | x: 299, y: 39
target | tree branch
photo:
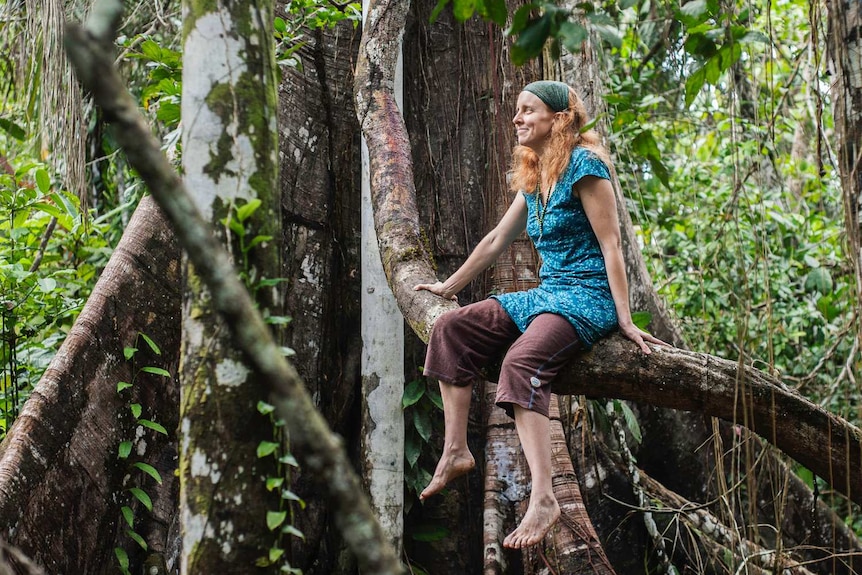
x: 826, y: 444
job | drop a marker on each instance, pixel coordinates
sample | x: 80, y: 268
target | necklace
x: 542, y: 208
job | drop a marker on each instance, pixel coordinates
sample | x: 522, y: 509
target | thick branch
x: 319, y: 451
x: 826, y: 444
x: 393, y: 194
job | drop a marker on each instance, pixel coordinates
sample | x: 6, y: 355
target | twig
x: 40, y: 253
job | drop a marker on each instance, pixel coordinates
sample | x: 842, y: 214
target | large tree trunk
x: 382, y: 447
x: 229, y: 159
x: 61, y: 481
x: 319, y: 185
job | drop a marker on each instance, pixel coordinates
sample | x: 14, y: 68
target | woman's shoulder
x: 585, y: 162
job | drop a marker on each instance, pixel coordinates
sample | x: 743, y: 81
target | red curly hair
x: 566, y: 135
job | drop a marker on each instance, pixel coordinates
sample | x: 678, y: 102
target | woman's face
x: 533, y: 121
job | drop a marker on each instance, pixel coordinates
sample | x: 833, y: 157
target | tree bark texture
x: 229, y: 160
x: 319, y: 183
x: 61, y: 480
x: 845, y: 51
x: 317, y: 449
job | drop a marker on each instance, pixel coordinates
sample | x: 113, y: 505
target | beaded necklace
x: 542, y: 208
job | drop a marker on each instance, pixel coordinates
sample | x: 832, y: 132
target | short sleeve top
x: 574, y: 282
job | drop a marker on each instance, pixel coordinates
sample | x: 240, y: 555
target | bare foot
x: 541, y: 515
x: 449, y: 467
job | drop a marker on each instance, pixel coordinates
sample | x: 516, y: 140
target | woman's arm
x: 597, y: 197
x: 513, y: 222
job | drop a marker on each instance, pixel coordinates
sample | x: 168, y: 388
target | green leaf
x: 265, y: 408
x: 47, y: 285
x: 275, y: 554
x: 693, y: 84
x: 137, y: 539
x: 641, y: 319
x: 129, y: 352
x: 280, y: 25
x: 149, y: 470
x: 151, y: 344
x: 495, y: 11
x: 631, y: 421
x: 258, y: 240
x: 435, y: 13
x: 274, y: 519
x: 124, y: 450
x: 274, y: 483
x: 288, y: 459
x: 645, y: 145
x: 694, y: 12
x: 43, y: 181
x: 265, y: 448
x: 156, y: 371
x: 65, y: 200
x: 12, y: 129
x: 819, y: 279
x: 413, y: 392
x: 123, y: 385
x: 754, y: 36
x: 422, y: 423
x: 142, y: 496
x: 412, y: 449
x: 573, y: 35
x: 122, y: 558
x: 153, y: 425
x: 531, y: 41
x: 463, y: 9
x: 128, y: 515
x: 520, y: 19
x: 427, y: 532
x: 136, y: 410
x: 609, y: 34
x: 806, y: 476
x: 245, y: 211
x: 434, y: 396
x: 291, y: 530
x: 288, y: 495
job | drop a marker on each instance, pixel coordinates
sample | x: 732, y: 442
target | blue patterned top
x: 574, y: 282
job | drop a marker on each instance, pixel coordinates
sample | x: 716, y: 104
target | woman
x: 566, y: 203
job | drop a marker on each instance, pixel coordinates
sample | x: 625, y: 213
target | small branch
x: 40, y: 253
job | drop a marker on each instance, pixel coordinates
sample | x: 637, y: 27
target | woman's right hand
x: 437, y: 289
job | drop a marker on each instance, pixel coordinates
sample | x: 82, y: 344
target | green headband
x: 554, y: 94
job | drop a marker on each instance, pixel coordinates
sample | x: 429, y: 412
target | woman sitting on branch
x: 565, y: 201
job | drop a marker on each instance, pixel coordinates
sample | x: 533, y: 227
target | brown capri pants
x: 466, y: 340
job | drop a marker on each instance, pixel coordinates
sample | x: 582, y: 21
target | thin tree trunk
x: 382, y: 366
x: 61, y: 480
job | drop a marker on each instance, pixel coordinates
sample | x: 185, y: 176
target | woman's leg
x: 456, y: 459
x: 524, y: 391
x: 535, y: 433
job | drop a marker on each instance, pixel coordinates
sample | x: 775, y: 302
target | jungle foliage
x: 718, y: 116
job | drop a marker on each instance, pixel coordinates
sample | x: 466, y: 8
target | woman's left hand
x: 640, y: 337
